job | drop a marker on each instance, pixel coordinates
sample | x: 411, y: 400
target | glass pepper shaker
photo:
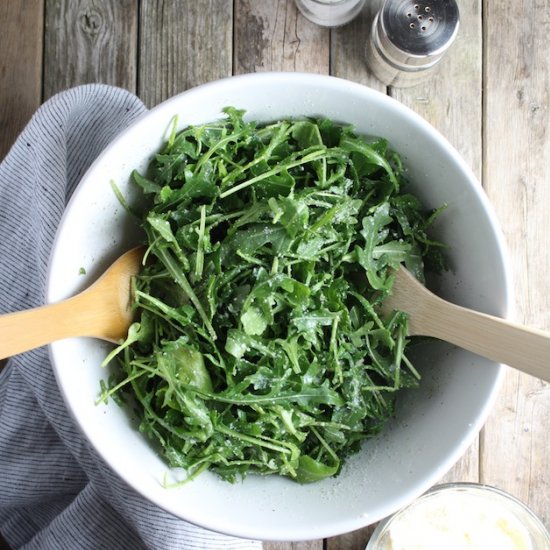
x: 408, y: 39
x: 330, y: 13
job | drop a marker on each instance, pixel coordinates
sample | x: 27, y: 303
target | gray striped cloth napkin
x: 55, y: 491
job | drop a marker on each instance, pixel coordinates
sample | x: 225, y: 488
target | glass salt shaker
x: 330, y: 13
x: 408, y: 39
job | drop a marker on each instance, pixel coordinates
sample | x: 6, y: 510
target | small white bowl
x: 434, y: 424
x: 462, y: 515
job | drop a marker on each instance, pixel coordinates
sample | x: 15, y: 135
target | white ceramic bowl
x: 435, y: 423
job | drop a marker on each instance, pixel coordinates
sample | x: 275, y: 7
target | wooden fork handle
x: 523, y: 348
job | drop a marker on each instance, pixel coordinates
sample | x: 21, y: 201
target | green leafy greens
x: 270, y: 247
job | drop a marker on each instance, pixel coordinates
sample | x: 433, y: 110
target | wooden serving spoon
x: 104, y: 310
x: 523, y: 348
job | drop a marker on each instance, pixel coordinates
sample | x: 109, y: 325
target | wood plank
x: 516, y: 440
x: 90, y: 41
x: 302, y: 545
x: 275, y: 36
x: 183, y: 43
x: 21, y: 37
x: 347, y: 53
x: 451, y: 100
x: 347, y: 60
x: 355, y: 540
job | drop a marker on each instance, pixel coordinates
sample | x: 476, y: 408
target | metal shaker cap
x: 413, y: 35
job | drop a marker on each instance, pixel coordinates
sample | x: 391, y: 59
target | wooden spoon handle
x: 25, y: 330
x: 523, y: 348
x: 85, y: 314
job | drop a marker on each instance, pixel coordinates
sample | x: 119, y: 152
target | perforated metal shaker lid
x: 414, y: 35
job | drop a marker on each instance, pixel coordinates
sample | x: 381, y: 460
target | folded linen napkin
x: 55, y: 491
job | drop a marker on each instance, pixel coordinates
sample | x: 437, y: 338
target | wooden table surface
x: 490, y: 98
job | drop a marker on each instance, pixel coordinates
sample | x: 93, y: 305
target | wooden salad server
x: 104, y: 310
x: 525, y: 349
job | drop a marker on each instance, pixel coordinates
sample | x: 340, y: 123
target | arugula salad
x: 259, y: 347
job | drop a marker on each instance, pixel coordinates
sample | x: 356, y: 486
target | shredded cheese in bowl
x: 462, y: 516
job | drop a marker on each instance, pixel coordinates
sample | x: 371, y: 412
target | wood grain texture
x: 355, y: 540
x: 21, y: 28
x: 500, y: 340
x: 303, y: 545
x: 451, y: 100
x: 275, y: 36
x: 348, y: 44
x: 347, y: 60
x: 103, y: 310
x: 90, y: 41
x: 516, y: 441
x: 183, y: 43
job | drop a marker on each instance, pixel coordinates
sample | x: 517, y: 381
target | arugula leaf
x: 259, y: 348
